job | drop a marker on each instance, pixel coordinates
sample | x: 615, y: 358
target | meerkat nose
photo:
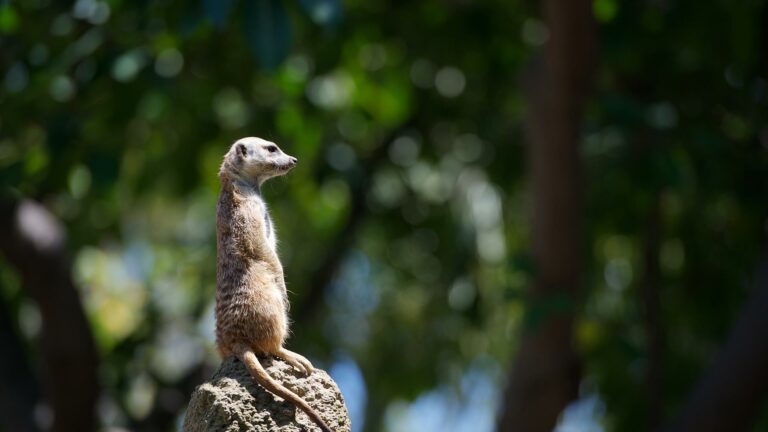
x: 294, y: 161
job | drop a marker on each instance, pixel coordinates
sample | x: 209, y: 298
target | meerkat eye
x: 271, y: 149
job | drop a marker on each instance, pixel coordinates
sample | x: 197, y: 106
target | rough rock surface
x: 231, y: 401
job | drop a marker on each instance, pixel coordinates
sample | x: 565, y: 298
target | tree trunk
x: 18, y: 386
x: 731, y: 393
x: 654, y: 328
x: 33, y: 241
x: 545, y: 375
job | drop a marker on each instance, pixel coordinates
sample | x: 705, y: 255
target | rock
x: 231, y: 401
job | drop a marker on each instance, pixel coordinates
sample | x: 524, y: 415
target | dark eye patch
x: 271, y: 149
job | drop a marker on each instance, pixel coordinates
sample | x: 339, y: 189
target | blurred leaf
x: 9, y: 20
x: 218, y: 11
x: 268, y: 30
x: 36, y: 160
x: 323, y: 12
x: 605, y: 10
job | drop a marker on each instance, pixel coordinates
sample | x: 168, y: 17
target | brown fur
x: 251, y: 300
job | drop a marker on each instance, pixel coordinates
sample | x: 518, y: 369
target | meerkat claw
x: 297, y: 360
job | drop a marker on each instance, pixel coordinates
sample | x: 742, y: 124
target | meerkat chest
x: 269, y: 229
x: 260, y: 213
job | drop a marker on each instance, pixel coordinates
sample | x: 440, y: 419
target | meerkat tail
x: 251, y: 362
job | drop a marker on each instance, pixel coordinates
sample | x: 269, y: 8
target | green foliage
x: 116, y: 115
x: 676, y: 127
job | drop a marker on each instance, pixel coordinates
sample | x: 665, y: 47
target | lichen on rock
x: 231, y: 401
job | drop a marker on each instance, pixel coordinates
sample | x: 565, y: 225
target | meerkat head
x: 255, y: 160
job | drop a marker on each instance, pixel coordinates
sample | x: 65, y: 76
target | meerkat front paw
x: 296, y: 360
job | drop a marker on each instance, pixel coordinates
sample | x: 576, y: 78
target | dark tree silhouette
x: 34, y: 242
x: 545, y: 375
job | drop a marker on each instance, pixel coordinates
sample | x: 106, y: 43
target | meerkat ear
x: 242, y: 150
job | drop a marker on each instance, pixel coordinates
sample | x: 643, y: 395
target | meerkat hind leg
x: 296, y: 360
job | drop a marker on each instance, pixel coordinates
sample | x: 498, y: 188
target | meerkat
x: 251, y: 299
